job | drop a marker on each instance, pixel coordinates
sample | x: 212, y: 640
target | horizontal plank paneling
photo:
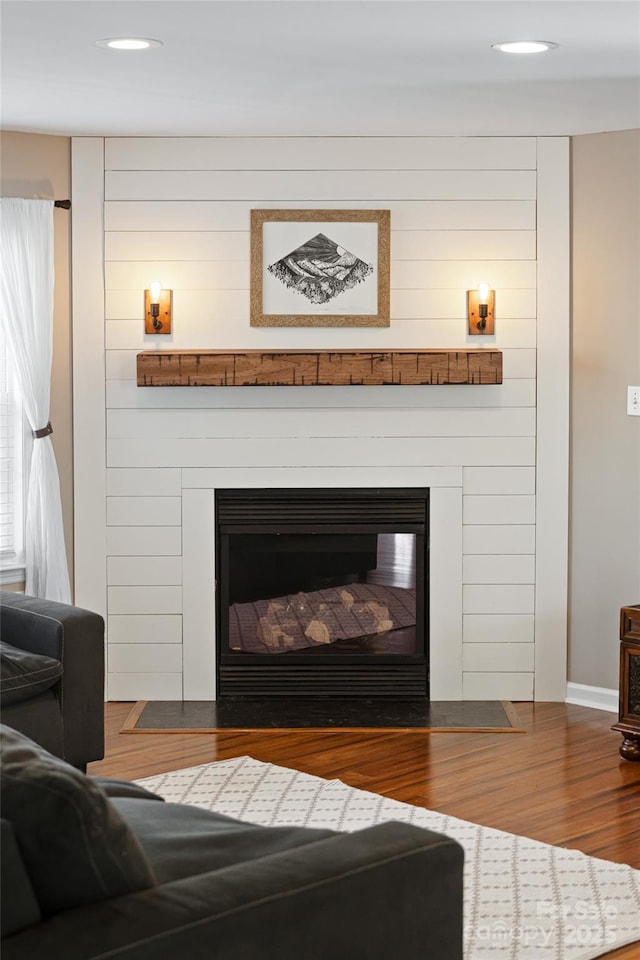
x: 144, y: 511
x: 320, y: 153
x: 124, y: 394
x: 143, y: 483
x: 497, y: 686
x: 405, y: 215
x: 442, y: 245
x: 501, y: 422
x: 325, y: 185
x: 198, y: 274
x: 452, y: 304
x: 494, y: 598
x: 178, y: 245
x: 144, y: 686
x: 498, y: 628
x: 517, y: 363
x: 221, y: 333
x: 437, y: 451
x: 145, y: 628
x: 144, y: 571
x: 145, y: 657
x: 421, y: 273
x: 496, y: 510
x: 507, y: 538
x: 498, y: 568
x: 144, y: 541
x: 145, y: 599
x: 418, y: 274
x: 462, y: 211
x: 120, y: 365
x: 497, y: 657
x: 438, y: 245
x: 198, y: 314
x: 285, y: 477
x: 497, y: 480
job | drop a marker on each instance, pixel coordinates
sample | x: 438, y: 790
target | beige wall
x: 605, y: 443
x: 39, y: 167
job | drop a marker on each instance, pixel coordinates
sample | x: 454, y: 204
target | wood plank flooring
x: 562, y: 782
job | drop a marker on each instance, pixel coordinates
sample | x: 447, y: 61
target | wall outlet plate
x: 633, y: 401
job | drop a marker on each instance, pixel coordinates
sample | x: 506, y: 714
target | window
x: 12, y: 452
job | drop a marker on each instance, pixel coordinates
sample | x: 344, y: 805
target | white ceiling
x: 320, y: 67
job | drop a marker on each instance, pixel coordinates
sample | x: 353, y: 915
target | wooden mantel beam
x: 262, y: 368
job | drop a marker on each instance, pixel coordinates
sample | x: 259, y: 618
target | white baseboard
x: 600, y: 698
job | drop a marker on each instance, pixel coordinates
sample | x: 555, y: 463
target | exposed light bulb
x: 154, y: 291
x: 483, y: 292
x: 525, y: 46
x: 128, y: 43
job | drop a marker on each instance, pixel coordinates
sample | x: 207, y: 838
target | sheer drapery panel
x: 26, y: 323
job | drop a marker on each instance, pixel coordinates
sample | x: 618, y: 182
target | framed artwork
x: 320, y: 268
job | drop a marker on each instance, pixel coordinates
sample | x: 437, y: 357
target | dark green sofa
x: 101, y: 869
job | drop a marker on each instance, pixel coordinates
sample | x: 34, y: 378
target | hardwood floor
x: 561, y: 782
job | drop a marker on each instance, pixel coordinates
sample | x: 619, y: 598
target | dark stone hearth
x: 270, y: 713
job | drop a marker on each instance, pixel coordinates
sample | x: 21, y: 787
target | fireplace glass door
x: 316, y: 587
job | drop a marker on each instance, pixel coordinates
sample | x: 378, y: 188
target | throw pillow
x: 75, y: 846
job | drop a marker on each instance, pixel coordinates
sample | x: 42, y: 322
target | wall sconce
x: 157, y: 309
x: 480, y: 306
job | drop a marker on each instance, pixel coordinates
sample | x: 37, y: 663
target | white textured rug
x: 524, y: 900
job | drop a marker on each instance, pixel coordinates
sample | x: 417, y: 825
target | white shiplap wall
x: 177, y: 210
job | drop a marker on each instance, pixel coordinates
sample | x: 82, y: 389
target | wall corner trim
x: 89, y: 415
x: 552, y: 412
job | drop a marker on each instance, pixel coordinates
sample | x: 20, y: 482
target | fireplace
x: 322, y: 593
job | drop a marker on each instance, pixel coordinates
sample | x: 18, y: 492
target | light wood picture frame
x: 320, y: 268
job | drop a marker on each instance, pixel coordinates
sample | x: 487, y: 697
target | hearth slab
x: 207, y: 716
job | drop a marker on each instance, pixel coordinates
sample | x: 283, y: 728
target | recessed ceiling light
x: 525, y: 46
x: 128, y: 43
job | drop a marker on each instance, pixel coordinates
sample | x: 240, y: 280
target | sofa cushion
x: 75, y: 846
x: 19, y: 905
x: 39, y: 719
x: 180, y: 840
x: 24, y: 675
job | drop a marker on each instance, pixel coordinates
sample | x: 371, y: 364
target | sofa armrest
x: 392, y: 890
x: 76, y: 638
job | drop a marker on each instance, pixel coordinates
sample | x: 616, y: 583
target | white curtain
x: 26, y: 320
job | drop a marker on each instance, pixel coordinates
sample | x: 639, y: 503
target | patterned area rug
x: 524, y: 900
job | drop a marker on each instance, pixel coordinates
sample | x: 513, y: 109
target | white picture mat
x: 280, y: 238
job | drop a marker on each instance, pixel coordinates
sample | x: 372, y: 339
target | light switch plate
x: 633, y: 401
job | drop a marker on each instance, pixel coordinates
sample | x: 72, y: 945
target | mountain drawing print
x: 320, y: 269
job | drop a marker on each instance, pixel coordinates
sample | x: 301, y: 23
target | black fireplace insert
x: 322, y: 592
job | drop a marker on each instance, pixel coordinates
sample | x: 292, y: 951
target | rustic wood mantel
x: 262, y: 368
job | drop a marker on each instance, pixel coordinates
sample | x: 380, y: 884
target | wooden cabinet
x: 629, y: 711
